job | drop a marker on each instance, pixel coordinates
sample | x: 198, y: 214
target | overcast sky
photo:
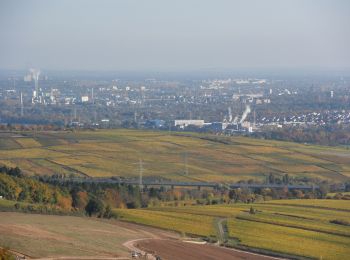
x: 174, y: 35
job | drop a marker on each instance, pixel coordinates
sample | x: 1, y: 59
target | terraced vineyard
x: 281, y: 227
x: 210, y: 158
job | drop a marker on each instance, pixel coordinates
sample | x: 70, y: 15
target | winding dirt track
x: 101, y: 239
x: 171, y: 249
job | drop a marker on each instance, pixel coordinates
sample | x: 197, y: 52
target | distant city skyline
x: 175, y: 35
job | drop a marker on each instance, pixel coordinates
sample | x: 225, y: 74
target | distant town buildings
x: 185, y: 123
x: 227, y: 105
x: 85, y: 99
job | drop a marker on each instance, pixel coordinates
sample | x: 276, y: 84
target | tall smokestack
x: 35, y: 75
x: 230, y: 118
x: 22, y: 105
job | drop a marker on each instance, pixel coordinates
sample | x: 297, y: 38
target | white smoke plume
x: 229, y: 114
x: 35, y: 74
x: 245, y: 114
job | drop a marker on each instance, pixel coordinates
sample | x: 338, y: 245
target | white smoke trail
x: 245, y: 114
x: 229, y: 114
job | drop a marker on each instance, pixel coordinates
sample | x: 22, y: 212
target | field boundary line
x: 293, y: 226
x: 307, y: 206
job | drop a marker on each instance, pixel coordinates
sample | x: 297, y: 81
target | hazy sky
x: 174, y: 35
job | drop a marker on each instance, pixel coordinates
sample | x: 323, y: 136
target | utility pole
x: 254, y: 118
x: 141, y: 173
x: 186, y: 164
x: 75, y: 113
x: 95, y: 116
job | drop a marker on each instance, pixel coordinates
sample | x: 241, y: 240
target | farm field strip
x: 210, y: 158
x: 285, y: 229
x: 295, y: 222
x: 214, y: 211
x: 189, y: 224
x: 311, y: 213
x: 322, y: 204
x: 27, y: 142
x: 289, y: 240
x: 319, y: 214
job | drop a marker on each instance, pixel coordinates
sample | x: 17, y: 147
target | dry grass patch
x: 28, y: 142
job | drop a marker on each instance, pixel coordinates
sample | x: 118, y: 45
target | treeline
x: 14, y: 186
x: 90, y: 198
x: 30, y: 126
x: 317, y: 135
x: 36, y: 196
x: 52, y: 195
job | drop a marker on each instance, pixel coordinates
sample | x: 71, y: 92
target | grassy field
x: 189, y: 224
x: 288, y: 240
x: 284, y: 227
x: 326, y: 204
x: 210, y: 158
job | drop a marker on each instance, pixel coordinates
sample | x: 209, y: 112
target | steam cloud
x: 245, y: 114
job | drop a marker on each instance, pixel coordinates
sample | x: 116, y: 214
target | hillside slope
x: 209, y: 158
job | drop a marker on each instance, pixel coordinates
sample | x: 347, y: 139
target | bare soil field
x: 47, y: 236
x: 67, y: 237
x: 178, y: 250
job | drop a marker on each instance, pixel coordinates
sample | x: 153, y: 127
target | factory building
x: 185, y: 123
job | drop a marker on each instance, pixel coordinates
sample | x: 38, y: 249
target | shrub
x: 252, y: 210
x: 340, y: 222
x: 6, y: 255
x: 17, y: 206
x: 94, y: 206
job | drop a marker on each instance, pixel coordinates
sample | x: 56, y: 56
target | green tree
x: 94, y: 206
x: 108, y: 212
x: 252, y: 210
x: 286, y: 179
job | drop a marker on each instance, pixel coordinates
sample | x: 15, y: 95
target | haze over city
x: 175, y: 130
x: 175, y: 35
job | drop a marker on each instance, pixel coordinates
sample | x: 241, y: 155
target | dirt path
x: 220, y: 230
x: 170, y: 249
x: 83, y: 258
x: 132, y: 246
x: 67, y: 237
x: 18, y: 255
